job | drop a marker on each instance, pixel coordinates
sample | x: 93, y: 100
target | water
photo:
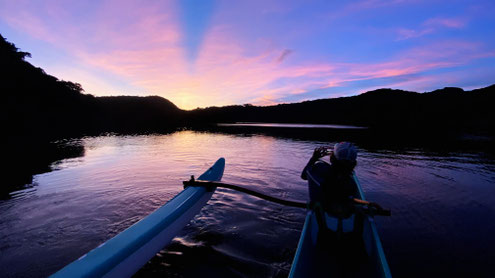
x: 441, y: 225
x: 278, y: 125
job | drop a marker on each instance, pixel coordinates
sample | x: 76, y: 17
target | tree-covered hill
x: 446, y: 109
x: 39, y: 105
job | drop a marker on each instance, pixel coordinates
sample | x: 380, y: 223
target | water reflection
x: 26, y: 158
x: 440, y: 203
x: 279, y: 125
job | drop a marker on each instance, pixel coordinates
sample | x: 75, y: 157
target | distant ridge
x: 40, y: 105
x: 448, y: 109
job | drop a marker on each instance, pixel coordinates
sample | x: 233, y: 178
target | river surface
x: 279, y: 125
x: 442, y: 223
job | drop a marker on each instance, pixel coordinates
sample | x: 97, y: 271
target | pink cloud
x: 142, y: 45
x: 431, y: 26
x: 352, y: 7
x: 455, y: 23
x: 404, y: 34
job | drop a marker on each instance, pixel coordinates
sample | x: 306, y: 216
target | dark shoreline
x: 371, y: 137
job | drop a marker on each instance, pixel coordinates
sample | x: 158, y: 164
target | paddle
x: 210, y: 184
x: 369, y: 208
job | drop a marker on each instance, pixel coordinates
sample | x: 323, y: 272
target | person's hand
x: 375, y: 205
x: 320, y: 152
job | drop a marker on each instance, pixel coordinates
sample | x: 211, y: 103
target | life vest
x: 332, y: 189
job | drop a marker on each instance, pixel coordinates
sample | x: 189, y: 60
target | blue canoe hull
x: 328, y: 260
x: 127, y: 252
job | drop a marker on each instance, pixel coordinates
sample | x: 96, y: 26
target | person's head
x: 344, y: 156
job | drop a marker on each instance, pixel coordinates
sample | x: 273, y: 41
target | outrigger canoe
x: 341, y: 253
x: 127, y: 252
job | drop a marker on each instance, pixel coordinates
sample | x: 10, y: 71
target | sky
x: 214, y: 53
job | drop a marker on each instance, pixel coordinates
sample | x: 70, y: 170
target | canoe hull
x: 141, y: 256
x: 314, y: 260
x: 128, y: 251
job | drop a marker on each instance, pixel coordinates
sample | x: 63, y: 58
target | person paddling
x: 331, y: 186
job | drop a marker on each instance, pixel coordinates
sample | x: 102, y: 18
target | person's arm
x: 373, y: 208
x: 317, y: 154
x: 363, y: 202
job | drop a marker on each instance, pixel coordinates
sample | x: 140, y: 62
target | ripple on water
x: 440, y: 203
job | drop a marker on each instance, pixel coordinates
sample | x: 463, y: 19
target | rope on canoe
x: 212, y: 184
